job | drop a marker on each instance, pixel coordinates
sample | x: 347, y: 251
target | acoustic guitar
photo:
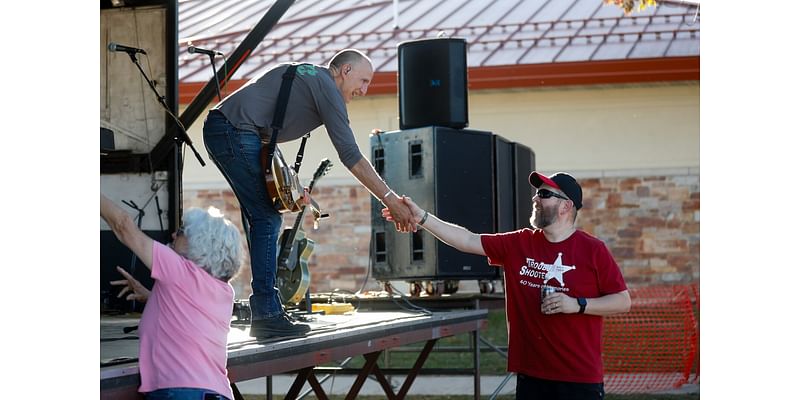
x: 293, y: 277
x: 283, y: 185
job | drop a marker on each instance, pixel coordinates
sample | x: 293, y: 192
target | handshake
x: 404, y: 213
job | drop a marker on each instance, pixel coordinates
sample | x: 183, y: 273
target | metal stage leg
x: 318, y: 391
x: 299, y: 381
x: 269, y: 387
x: 476, y: 357
x: 385, y: 385
x: 372, y: 359
x: 236, y: 394
x: 476, y: 362
x: 500, y: 386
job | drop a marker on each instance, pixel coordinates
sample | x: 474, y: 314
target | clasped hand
x: 404, y: 214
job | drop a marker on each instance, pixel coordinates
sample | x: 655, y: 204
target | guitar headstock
x: 324, y: 166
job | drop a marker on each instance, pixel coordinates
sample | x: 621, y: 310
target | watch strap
x: 582, y: 304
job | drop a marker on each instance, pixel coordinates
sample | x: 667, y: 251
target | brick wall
x: 341, y: 253
x: 651, y: 223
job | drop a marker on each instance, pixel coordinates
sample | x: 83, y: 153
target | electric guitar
x: 293, y: 277
x: 283, y: 185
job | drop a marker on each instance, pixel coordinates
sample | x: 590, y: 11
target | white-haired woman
x: 184, y: 327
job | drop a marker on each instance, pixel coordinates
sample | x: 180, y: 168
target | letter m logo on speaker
x: 436, y: 82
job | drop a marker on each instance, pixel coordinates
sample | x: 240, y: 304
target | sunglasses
x: 179, y: 232
x: 546, y: 194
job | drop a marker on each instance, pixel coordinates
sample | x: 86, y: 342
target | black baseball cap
x: 561, y: 181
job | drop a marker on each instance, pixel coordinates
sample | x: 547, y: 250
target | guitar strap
x: 277, y: 122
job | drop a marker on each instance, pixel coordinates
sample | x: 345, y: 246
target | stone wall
x: 651, y: 223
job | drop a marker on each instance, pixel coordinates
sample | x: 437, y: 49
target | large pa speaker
x: 432, y: 83
x: 448, y: 172
x: 513, y: 163
x: 505, y: 190
x: 524, y: 164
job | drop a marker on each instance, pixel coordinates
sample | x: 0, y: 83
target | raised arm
x: 453, y: 235
x: 126, y: 230
x: 401, y: 215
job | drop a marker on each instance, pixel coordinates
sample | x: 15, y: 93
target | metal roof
x: 498, y: 33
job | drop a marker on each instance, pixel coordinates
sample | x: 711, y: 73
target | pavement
x: 427, y: 385
x: 423, y: 385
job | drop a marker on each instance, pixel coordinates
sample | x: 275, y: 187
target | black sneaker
x: 277, y: 326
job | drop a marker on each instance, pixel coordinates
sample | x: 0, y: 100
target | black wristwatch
x: 582, y: 303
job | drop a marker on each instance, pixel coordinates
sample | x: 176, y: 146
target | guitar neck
x: 287, y: 247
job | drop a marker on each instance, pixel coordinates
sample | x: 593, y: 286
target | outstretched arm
x: 126, y: 230
x: 137, y: 291
x: 401, y: 215
x: 453, y: 235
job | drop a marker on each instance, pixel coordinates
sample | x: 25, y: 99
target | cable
x: 414, y: 307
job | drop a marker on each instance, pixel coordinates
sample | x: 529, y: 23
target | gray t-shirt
x: 313, y: 101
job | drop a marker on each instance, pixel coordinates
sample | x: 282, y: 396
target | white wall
x: 570, y: 129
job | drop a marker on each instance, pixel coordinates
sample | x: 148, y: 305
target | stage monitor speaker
x: 432, y: 83
x: 447, y: 172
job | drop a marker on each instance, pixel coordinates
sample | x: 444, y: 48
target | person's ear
x: 347, y: 70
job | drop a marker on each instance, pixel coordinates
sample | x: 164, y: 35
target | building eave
x: 534, y: 75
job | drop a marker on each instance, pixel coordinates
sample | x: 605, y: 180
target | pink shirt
x: 184, y: 327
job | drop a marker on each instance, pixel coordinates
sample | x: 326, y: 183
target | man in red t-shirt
x: 554, y: 341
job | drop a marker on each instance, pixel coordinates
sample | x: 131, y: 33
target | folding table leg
x: 317, y: 387
x: 372, y: 359
x: 299, y: 381
x: 417, y: 366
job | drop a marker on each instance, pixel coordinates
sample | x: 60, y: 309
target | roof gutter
x: 637, y: 70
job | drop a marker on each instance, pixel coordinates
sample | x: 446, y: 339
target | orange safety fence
x: 655, y: 346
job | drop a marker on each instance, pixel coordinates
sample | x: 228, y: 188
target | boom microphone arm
x: 183, y: 137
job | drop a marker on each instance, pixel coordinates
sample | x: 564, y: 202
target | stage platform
x: 333, y: 337
x: 381, y: 301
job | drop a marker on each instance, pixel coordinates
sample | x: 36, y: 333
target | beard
x: 543, y: 217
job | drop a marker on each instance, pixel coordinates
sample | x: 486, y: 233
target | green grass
x: 492, y: 363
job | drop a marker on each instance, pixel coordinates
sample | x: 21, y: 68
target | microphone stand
x: 163, y: 103
x: 216, y: 80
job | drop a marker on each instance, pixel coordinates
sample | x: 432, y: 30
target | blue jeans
x: 236, y: 153
x: 529, y: 387
x: 183, y: 394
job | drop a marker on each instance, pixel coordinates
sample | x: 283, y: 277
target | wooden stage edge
x: 332, y: 338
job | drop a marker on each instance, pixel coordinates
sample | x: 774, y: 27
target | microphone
x: 130, y: 50
x: 212, y: 53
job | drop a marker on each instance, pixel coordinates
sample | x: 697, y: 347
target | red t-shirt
x: 561, y: 347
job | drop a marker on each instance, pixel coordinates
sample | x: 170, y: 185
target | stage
x: 333, y: 337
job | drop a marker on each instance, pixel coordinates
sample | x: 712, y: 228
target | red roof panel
x: 498, y: 33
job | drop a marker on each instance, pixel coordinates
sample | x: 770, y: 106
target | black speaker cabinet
x: 524, y: 163
x: 504, y: 173
x: 448, y: 172
x: 432, y: 83
x: 513, y: 163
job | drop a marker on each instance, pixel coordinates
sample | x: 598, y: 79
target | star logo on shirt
x: 556, y: 270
